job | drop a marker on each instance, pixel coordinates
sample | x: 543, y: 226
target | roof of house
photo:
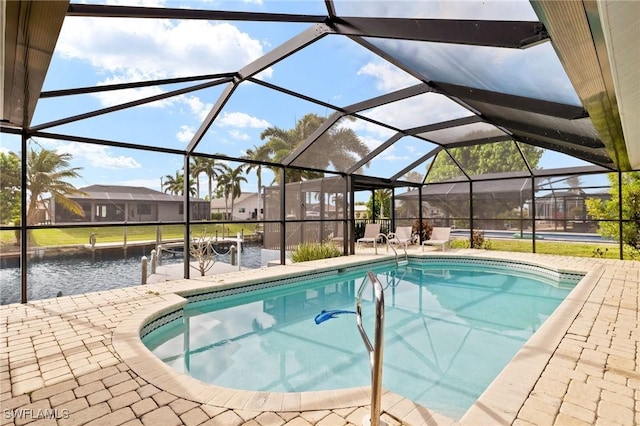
x: 126, y: 193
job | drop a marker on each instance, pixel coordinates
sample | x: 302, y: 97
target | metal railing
x: 389, y: 244
x: 375, y: 350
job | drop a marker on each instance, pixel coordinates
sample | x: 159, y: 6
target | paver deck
x: 75, y: 360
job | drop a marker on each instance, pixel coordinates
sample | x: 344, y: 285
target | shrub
x: 427, y: 228
x: 314, y: 251
x: 478, y: 241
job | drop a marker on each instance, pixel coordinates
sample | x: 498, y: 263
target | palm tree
x: 196, y: 169
x: 229, y: 183
x: 257, y: 154
x: 175, y: 184
x: 280, y: 143
x: 204, y: 165
x: 46, y: 174
x: 339, y: 147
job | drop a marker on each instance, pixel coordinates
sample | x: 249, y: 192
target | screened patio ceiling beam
x: 286, y: 49
x: 457, y: 163
x: 289, y: 47
x: 600, y: 160
x: 120, y: 86
x: 280, y: 89
x: 572, y: 138
x: 388, y: 98
x: 211, y: 116
x: 112, y: 11
x: 393, y: 139
x: 343, y: 110
x: 522, y: 103
x: 129, y: 104
x: 445, y: 125
x: 509, y: 34
x: 331, y: 9
x: 416, y: 163
x: 472, y: 142
x: 94, y: 141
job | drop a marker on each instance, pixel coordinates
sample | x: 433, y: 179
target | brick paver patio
x: 72, y: 361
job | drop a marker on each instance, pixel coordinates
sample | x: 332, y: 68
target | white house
x: 244, y: 208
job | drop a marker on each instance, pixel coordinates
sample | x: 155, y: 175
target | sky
x: 99, y: 51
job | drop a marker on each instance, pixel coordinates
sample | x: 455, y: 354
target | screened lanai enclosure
x: 517, y: 119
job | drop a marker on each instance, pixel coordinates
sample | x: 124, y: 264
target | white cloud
x: 237, y: 134
x: 116, y: 97
x: 412, y: 112
x: 197, y: 107
x: 388, y: 77
x: 395, y: 157
x: 370, y: 141
x: 156, y: 48
x: 241, y: 120
x: 185, y: 134
x: 98, y: 156
x: 130, y: 50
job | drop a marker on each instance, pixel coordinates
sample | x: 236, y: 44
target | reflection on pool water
x: 449, y: 331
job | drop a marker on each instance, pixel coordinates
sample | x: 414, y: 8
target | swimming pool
x: 451, y: 326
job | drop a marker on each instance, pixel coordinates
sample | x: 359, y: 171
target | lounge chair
x: 402, y: 236
x: 336, y: 238
x: 371, y: 233
x: 439, y: 237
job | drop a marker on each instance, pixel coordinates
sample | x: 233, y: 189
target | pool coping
x: 500, y: 402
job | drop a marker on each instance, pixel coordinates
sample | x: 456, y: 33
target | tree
x: 9, y: 187
x: 257, y: 154
x: 478, y: 160
x: 175, y: 184
x: 47, y: 173
x: 229, y: 183
x: 604, y: 210
x: 413, y: 176
x: 482, y: 159
x: 338, y: 147
x: 382, y: 206
x: 206, y: 165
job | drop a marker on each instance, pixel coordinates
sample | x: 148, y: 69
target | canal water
x: 76, y: 274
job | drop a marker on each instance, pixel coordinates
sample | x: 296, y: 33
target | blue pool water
x: 449, y: 331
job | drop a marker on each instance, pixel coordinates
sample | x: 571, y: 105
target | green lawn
x: 610, y: 251
x: 76, y: 236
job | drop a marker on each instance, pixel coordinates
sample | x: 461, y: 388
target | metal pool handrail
x: 375, y: 350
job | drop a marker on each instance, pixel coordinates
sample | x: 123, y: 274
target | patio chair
x: 371, y: 233
x: 402, y: 236
x: 439, y: 237
x: 336, y: 237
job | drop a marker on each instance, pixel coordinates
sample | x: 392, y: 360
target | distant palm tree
x: 175, y: 184
x: 257, y: 154
x: 229, y: 184
x: 339, y: 147
x: 46, y: 174
x: 195, y: 168
x: 205, y: 165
